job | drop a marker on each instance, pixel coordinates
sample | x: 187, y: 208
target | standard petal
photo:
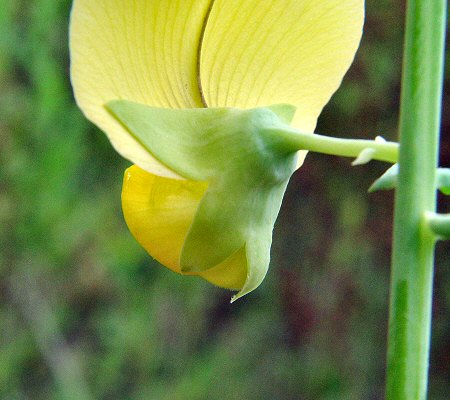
x: 159, y: 212
x: 257, y: 53
x: 145, y: 51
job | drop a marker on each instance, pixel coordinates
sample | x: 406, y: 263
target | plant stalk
x: 413, y: 244
x: 296, y: 140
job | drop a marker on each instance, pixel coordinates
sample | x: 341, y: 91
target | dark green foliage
x: 85, y: 313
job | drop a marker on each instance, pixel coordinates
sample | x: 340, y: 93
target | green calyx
x: 246, y: 166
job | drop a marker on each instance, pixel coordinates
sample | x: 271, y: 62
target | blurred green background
x: 86, y: 314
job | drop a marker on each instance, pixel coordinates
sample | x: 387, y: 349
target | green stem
x: 296, y: 140
x: 413, y: 251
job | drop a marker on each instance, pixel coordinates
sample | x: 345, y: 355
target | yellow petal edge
x: 159, y: 211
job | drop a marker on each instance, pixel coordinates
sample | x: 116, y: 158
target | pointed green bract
x: 247, y: 171
x: 389, y: 179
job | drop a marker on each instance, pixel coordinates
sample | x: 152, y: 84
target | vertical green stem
x: 413, y: 253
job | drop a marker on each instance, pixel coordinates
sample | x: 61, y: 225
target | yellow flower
x: 195, y: 54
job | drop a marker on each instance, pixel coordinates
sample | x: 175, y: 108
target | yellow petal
x: 257, y: 53
x: 230, y: 274
x: 159, y: 212
x: 145, y: 51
